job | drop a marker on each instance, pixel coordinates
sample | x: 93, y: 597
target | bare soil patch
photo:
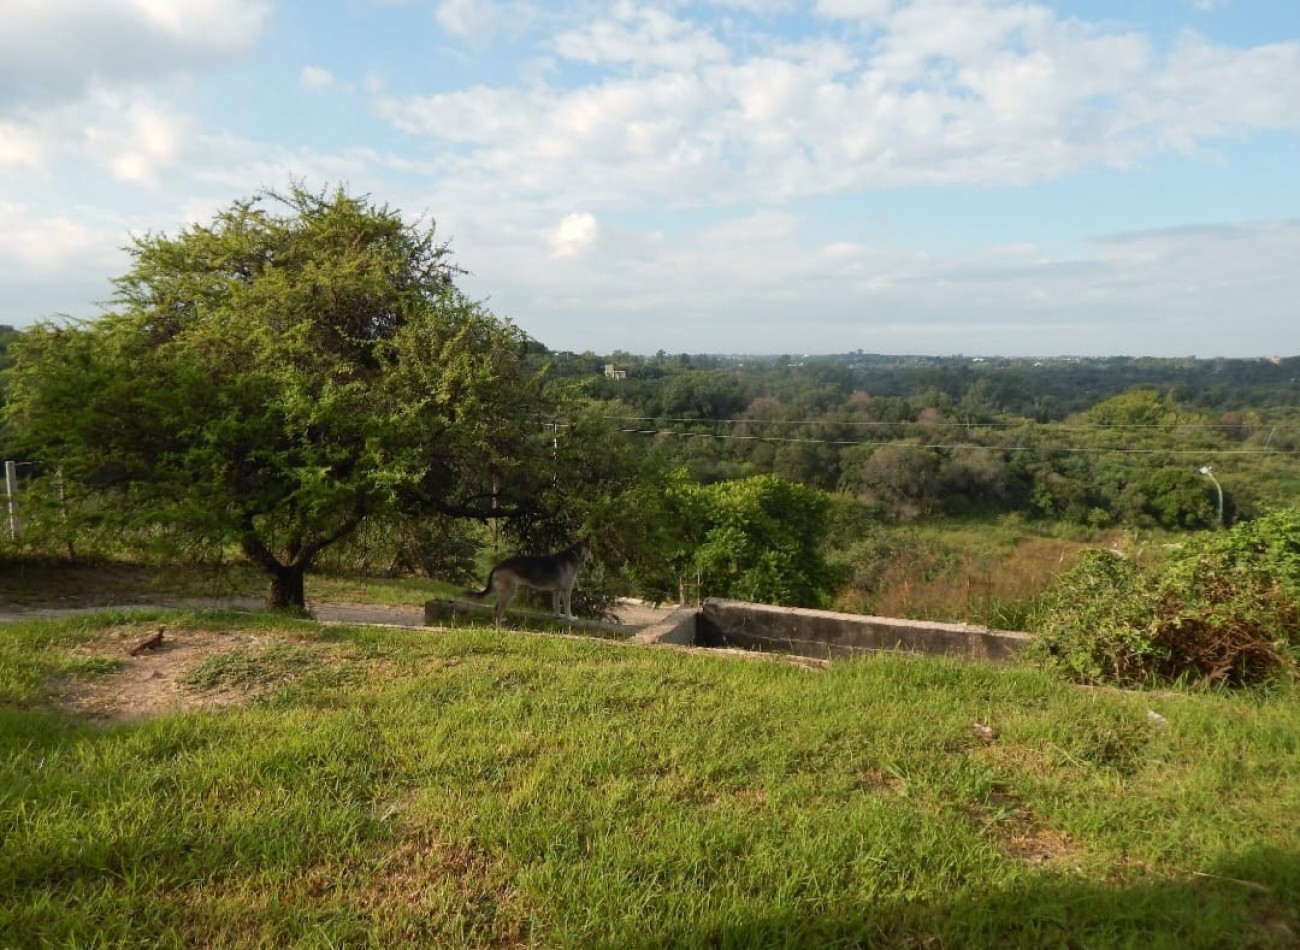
x: 153, y: 682
x: 1020, y: 834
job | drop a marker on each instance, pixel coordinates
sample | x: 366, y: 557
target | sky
x: 978, y: 177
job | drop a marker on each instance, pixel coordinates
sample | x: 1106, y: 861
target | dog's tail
x: 487, y: 589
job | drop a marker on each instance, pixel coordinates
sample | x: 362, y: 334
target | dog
x: 554, y: 572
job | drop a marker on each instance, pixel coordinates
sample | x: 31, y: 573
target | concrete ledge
x: 463, y: 613
x: 824, y: 634
x: 678, y: 628
x: 455, y: 613
x: 815, y: 634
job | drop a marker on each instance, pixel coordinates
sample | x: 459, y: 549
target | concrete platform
x: 824, y: 634
x: 464, y: 613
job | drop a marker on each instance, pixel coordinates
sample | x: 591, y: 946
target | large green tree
x: 276, y: 377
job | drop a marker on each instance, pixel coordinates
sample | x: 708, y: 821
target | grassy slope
x: 474, y: 788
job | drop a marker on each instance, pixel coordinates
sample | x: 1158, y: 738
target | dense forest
x: 1090, y: 441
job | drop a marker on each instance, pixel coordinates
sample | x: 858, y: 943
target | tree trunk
x: 287, y: 590
x: 288, y: 573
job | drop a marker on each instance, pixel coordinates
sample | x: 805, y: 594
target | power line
x: 1045, y: 449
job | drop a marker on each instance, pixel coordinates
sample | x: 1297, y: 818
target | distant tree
x: 904, y: 478
x: 277, y: 377
x: 977, y: 476
x: 1137, y: 407
x: 700, y: 394
x: 1171, y: 497
x: 7, y: 336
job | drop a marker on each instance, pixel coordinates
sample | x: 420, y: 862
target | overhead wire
x: 1259, y: 426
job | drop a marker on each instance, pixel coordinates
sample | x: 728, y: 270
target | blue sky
x: 899, y: 176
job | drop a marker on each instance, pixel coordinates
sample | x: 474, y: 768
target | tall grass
x: 471, y: 788
x: 985, y: 572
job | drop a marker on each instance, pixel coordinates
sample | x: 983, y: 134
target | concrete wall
x: 456, y: 613
x: 812, y: 633
x: 678, y: 628
x: 821, y: 633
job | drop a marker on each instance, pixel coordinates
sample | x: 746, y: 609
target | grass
x: 470, y: 788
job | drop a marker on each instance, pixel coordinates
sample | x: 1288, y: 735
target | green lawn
x: 385, y: 787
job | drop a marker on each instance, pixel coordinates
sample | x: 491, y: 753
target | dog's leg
x: 505, y: 594
x: 565, y: 594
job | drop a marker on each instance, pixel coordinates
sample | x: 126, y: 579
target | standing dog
x: 554, y: 572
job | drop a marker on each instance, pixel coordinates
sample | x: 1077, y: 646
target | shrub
x: 1225, y: 610
x: 1096, y: 622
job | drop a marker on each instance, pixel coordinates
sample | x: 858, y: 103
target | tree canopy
x: 273, y: 378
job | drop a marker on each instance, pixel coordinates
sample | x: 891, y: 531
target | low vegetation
x: 339, y: 786
x: 1225, y: 609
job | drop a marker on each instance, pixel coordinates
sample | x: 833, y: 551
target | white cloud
x: 478, y: 21
x: 316, y: 77
x: 754, y: 283
x: 758, y: 6
x: 43, y: 244
x: 652, y: 108
x: 641, y: 36
x: 55, y: 263
x: 143, y: 141
x: 867, y: 10
x: 57, y: 50
x: 228, y: 26
x: 575, y: 233
x: 20, y: 147
x: 948, y: 91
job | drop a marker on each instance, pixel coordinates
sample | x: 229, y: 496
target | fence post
x: 11, y: 493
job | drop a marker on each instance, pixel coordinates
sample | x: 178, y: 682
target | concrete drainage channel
x: 821, y: 634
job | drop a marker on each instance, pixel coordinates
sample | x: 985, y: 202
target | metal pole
x: 1208, y: 473
x: 11, y: 492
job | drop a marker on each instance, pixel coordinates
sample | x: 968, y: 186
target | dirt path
x: 630, y: 613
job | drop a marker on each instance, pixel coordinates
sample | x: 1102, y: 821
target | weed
x: 252, y: 668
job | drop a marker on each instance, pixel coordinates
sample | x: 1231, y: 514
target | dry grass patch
x: 1020, y: 834
x: 457, y: 888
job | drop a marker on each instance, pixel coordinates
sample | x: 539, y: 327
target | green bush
x: 1226, y: 609
x: 763, y: 541
x: 1096, y: 621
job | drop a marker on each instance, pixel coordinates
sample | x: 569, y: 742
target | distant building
x: 612, y: 373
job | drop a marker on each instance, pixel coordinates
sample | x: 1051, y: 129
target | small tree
x: 278, y: 376
x: 904, y: 478
x: 763, y: 541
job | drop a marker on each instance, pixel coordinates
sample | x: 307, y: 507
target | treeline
x: 1088, y: 441
x: 1040, y: 389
